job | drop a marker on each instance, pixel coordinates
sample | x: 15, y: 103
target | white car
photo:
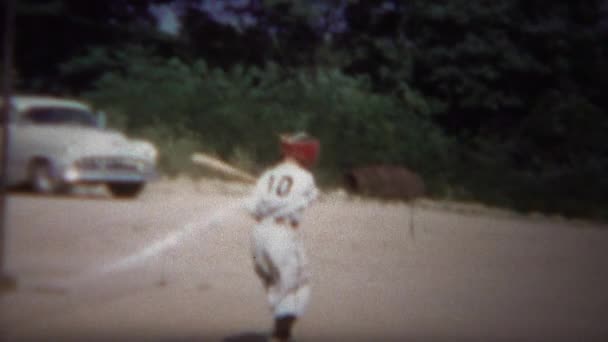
x: 56, y: 143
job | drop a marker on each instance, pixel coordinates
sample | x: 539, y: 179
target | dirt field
x: 93, y: 268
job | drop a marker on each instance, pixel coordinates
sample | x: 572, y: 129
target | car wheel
x: 42, y: 179
x: 125, y: 190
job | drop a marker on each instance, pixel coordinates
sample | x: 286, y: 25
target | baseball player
x: 277, y: 202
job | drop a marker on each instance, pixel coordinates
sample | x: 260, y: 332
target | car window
x: 60, y: 116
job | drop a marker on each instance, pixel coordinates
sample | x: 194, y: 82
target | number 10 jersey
x: 283, y: 191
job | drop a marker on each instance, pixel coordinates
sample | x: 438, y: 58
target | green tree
x: 51, y: 32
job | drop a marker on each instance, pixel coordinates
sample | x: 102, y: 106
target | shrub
x: 238, y: 113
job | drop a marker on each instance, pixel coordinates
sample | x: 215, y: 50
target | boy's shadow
x: 247, y: 337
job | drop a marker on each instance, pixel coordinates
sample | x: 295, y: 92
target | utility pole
x: 7, y: 283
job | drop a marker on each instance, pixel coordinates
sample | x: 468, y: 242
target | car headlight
x: 148, y: 150
x: 152, y: 152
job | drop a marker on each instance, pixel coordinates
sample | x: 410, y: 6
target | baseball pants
x: 280, y: 262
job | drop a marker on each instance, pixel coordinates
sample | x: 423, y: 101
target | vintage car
x: 57, y: 143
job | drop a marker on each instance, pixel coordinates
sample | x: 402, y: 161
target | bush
x: 238, y: 114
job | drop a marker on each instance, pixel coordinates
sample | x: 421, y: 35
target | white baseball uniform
x: 277, y: 202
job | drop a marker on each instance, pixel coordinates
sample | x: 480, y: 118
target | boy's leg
x: 282, y: 327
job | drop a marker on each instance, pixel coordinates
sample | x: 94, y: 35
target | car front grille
x: 110, y: 164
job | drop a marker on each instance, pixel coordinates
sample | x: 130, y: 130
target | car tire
x: 125, y: 190
x: 42, y: 179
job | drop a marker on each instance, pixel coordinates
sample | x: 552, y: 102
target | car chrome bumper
x: 74, y: 175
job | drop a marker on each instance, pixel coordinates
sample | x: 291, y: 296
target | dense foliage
x: 237, y: 113
x: 498, y: 101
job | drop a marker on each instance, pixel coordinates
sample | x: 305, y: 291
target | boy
x: 277, y: 203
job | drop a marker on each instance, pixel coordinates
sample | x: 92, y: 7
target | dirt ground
x: 174, y: 265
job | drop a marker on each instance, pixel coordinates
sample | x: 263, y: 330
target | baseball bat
x: 218, y: 165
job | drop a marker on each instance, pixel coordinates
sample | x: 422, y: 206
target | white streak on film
x: 124, y: 276
x: 156, y: 248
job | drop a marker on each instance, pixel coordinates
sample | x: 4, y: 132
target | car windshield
x: 61, y: 116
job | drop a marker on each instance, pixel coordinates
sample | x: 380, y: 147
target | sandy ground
x: 174, y: 265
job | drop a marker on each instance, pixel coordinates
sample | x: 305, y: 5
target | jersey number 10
x: 282, y: 187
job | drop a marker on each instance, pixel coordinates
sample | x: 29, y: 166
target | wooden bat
x: 215, y: 164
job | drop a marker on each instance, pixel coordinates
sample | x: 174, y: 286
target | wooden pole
x: 7, y: 283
